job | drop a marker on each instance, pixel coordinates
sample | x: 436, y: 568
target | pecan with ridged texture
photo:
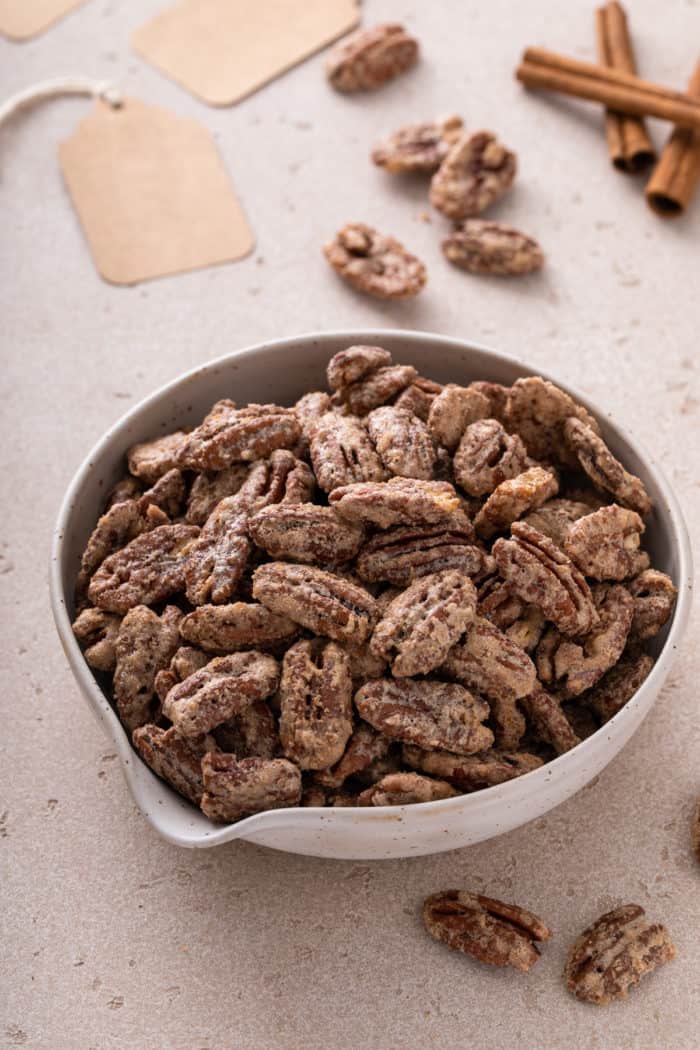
x: 483, y: 247
x: 471, y: 772
x: 172, y: 758
x: 405, y: 789
x: 513, y: 498
x: 148, y: 570
x: 400, y: 501
x: 306, y: 533
x: 487, y: 456
x: 370, y: 57
x: 375, y: 263
x: 603, y: 469
x: 405, y: 553
x: 219, y: 691
x: 315, y: 704
x: 356, y: 363
x: 145, y: 645
x: 240, y: 625
x: 236, y: 435
x: 477, y: 171
x: 377, y: 388
x: 402, y: 441
x: 209, y: 489
x: 342, y: 453
x: 605, y: 544
x: 418, y: 147
x: 234, y: 789
x: 116, y: 528
x: 217, y: 559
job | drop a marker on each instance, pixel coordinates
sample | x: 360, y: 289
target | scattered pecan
x: 174, y: 759
x: 475, y: 173
x: 97, y: 632
x: 375, y: 263
x: 315, y: 704
x: 238, y: 435
x: 219, y: 691
x: 356, y: 363
x: 489, y: 930
x: 603, y: 469
x: 145, y: 645
x: 148, y: 570
x: 485, y: 247
x: 209, y: 489
x: 452, y: 411
x: 471, y: 772
x: 619, y: 684
x: 429, y: 714
x: 402, y: 441
x: 321, y: 601
x: 546, y: 718
x: 418, y: 147
x: 342, y: 453
x: 240, y: 625
x: 421, y: 625
x: 149, y: 460
x: 605, y: 544
x: 377, y: 388
x: 654, y: 598
x: 487, y: 456
x: 185, y: 661
x: 538, y: 410
x: 234, y: 789
x: 250, y: 734
x: 513, y: 498
x: 369, y: 57
x: 404, y: 789
x: 306, y: 533
x: 405, y: 553
x: 555, y: 517
x: 614, y: 953
x: 400, y: 501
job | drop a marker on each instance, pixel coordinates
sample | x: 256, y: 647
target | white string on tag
x: 57, y: 87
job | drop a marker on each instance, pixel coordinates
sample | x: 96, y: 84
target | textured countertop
x: 111, y: 937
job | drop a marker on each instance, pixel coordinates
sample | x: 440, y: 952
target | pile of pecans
x: 393, y: 593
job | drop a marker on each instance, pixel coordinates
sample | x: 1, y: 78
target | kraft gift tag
x: 222, y: 50
x: 152, y: 193
x: 21, y: 19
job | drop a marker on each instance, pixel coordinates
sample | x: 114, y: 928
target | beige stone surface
x: 110, y: 937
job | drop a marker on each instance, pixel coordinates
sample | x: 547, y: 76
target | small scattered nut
x: 375, y: 263
x: 418, y: 147
x: 474, y: 174
x: 485, y: 247
x: 370, y: 57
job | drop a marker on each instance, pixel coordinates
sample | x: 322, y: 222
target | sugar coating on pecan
x: 488, y: 455
x: 614, y: 953
x: 402, y: 441
x: 219, y: 691
x: 546, y: 718
x: 555, y: 517
x: 377, y: 388
x: 321, y: 601
x: 404, y: 789
x: 145, y: 645
x: 426, y: 713
x: 610, y: 694
x: 235, y: 626
x: 209, y: 489
x: 355, y: 363
x: 117, y: 527
x: 605, y: 544
x: 404, y: 553
x: 477, y: 171
x: 370, y: 57
x: 654, y: 596
x: 603, y: 469
x: 538, y: 410
x: 306, y: 533
x: 421, y: 625
x: 418, y: 147
x: 489, y: 930
x: 482, y: 247
x: 472, y: 772
x: 148, y: 570
x: 375, y: 263
x: 174, y: 759
x: 400, y: 501
x: 236, y: 435
x: 234, y: 789
x: 315, y: 704
x: 219, y: 555
x: 149, y: 460
x: 513, y: 498
x: 97, y: 632
x: 342, y: 453
x: 452, y: 411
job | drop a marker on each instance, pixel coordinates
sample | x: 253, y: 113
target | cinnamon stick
x: 620, y: 91
x: 677, y: 174
x: 629, y: 145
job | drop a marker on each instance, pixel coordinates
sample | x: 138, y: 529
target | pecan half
x: 145, y: 645
x: 541, y: 574
x: 148, y: 570
x: 364, y: 747
x: 149, y: 460
x: 369, y: 57
x: 400, y: 501
x: 405, y: 553
x: 619, y: 685
x: 421, y: 625
x: 375, y: 263
x: 418, y: 147
x: 489, y: 930
x: 238, y: 435
x: 217, y: 559
x: 477, y: 171
x: 452, y: 411
x: 471, y: 772
x: 321, y: 601
x: 219, y: 691
x: 538, y: 411
x: 487, y: 456
x: 355, y: 363
x: 605, y: 544
x: 405, y: 789
x: 603, y: 469
x: 315, y: 704
x: 250, y: 734
x: 614, y: 953
x: 550, y: 724
x: 185, y: 661
x: 402, y: 441
x: 117, y: 527
x: 377, y: 388
x: 342, y: 453
x: 306, y: 533
x: 555, y: 517
x: 241, y: 625
x: 429, y: 714
x: 172, y: 758
x: 654, y: 598
x: 234, y: 789
x: 482, y: 247
x: 513, y: 498
x: 97, y: 633
x: 209, y: 489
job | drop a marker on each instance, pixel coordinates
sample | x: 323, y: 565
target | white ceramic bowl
x: 281, y: 371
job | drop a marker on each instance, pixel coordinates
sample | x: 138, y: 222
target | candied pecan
x: 315, y: 704
x: 485, y: 247
x: 486, y: 456
x: 497, y: 396
x: 471, y: 772
x: 477, y: 171
x: 537, y: 410
x: 342, y: 453
x: 321, y: 601
x: 252, y: 733
x: 219, y: 691
x: 555, y: 517
x: 308, y: 411
x: 421, y: 625
x: 619, y: 685
x: 149, y: 460
x: 238, y: 434
x: 369, y: 57
x: 418, y: 147
x: 541, y: 574
x: 523, y: 624
x: 216, y: 560
x: 174, y: 759
x: 117, y: 527
x: 695, y: 831
x: 405, y: 553
x: 605, y: 544
x: 614, y: 953
x: 145, y: 645
x: 240, y: 625
x: 167, y: 493
x: 454, y: 408
x: 405, y: 789
x: 377, y: 388
x: 287, y: 480
x: 375, y: 263
x: 512, y: 498
x: 306, y: 533
x: 97, y: 632
x: 416, y: 400
x: 148, y: 570
x: 209, y: 489
x: 185, y: 661
x: 355, y: 363
x: 575, y: 667
x: 546, y: 718
x: 489, y: 930
x: 364, y: 747
x: 127, y: 488
x: 654, y: 597
x: 400, y: 501
x: 429, y: 714
x: 402, y: 441
x: 603, y: 469
x: 234, y: 789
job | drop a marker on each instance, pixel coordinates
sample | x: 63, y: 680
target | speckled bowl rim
x: 501, y: 793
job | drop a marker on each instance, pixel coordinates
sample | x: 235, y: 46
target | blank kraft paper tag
x: 152, y: 193
x: 222, y: 50
x: 21, y: 19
